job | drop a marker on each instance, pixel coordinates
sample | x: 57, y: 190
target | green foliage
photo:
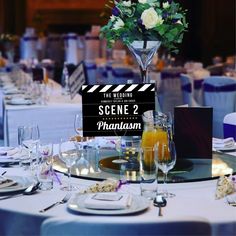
x: 129, y: 14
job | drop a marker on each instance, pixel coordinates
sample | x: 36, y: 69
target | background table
x: 55, y: 120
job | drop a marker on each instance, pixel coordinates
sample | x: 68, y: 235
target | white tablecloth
x: 55, y: 120
x: 20, y: 215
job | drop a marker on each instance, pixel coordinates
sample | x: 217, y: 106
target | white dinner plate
x: 227, y: 149
x: 20, y: 102
x: 138, y: 204
x: 21, y: 183
x: 8, y: 160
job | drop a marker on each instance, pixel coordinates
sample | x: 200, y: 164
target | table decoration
x: 225, y: 186
x: 144, y: 25
x: 108, y: 185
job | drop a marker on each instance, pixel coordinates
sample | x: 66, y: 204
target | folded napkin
x: 108, y: 201
x: 225, y: 186
x: 9, y: 153
x: 223, y: 143
x: 4, y: 182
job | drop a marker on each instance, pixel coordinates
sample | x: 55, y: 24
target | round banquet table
x: 20, y: 215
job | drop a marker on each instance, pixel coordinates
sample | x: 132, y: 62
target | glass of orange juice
x: 155, y: 128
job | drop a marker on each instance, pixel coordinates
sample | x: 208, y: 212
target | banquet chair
x: 71, y: 48
x: 229, y: 124
x: 120, y: 75
x: 215, y: 70
x: 91, y: 72
x: 220, y: 93
x: 197, y: 91
x: 99, y: 226
x: 186, y: 87
x: 54, y: 49
x: 170, y: 91
x: 92, y: 47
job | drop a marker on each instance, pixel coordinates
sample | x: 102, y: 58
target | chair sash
x: 224, y: 88
x: 229, y: 131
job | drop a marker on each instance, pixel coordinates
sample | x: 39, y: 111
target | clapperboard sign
x: 76, y: 80
x: 116, y: 110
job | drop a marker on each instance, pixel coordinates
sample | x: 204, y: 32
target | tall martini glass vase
x: 144, y: 52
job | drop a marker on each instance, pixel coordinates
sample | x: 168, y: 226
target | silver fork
x: 64, y: 200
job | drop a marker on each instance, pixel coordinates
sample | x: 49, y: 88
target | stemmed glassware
x: 166, y: 162
x: 83, y: 164
x: 30, y: 141
x: 78, y: 125
x: 68, y: 153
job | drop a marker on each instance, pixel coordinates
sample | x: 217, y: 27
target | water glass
x: 45, y: 174
x: 30, y: 141
x: 92, y: 157
x: 25, y: 162
x: 148, y: 171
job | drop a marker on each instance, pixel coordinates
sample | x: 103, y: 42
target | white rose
x: 118, y: 24
x: 150, y: 18
x: 166, y: 5
x: 127, y: 3
x: 113, y: 18
x: 179, y: 22
x: 142, y: 1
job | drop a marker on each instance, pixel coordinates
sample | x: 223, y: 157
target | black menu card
x: 193, y: 132
x: 38, y: 74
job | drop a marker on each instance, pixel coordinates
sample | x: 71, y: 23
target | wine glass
x: 166, y: 161
x: 78, y: 125
x: 68, y: 153
x: 30, y: 141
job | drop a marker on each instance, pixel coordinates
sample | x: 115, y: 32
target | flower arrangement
x: 147, y: 20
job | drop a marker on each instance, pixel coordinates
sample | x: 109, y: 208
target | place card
x: 116, y: 110
x: 193, y: 132
x: 77, y: 79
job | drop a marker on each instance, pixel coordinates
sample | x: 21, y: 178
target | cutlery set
x: 64, y: 200
x: 31, y: 190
